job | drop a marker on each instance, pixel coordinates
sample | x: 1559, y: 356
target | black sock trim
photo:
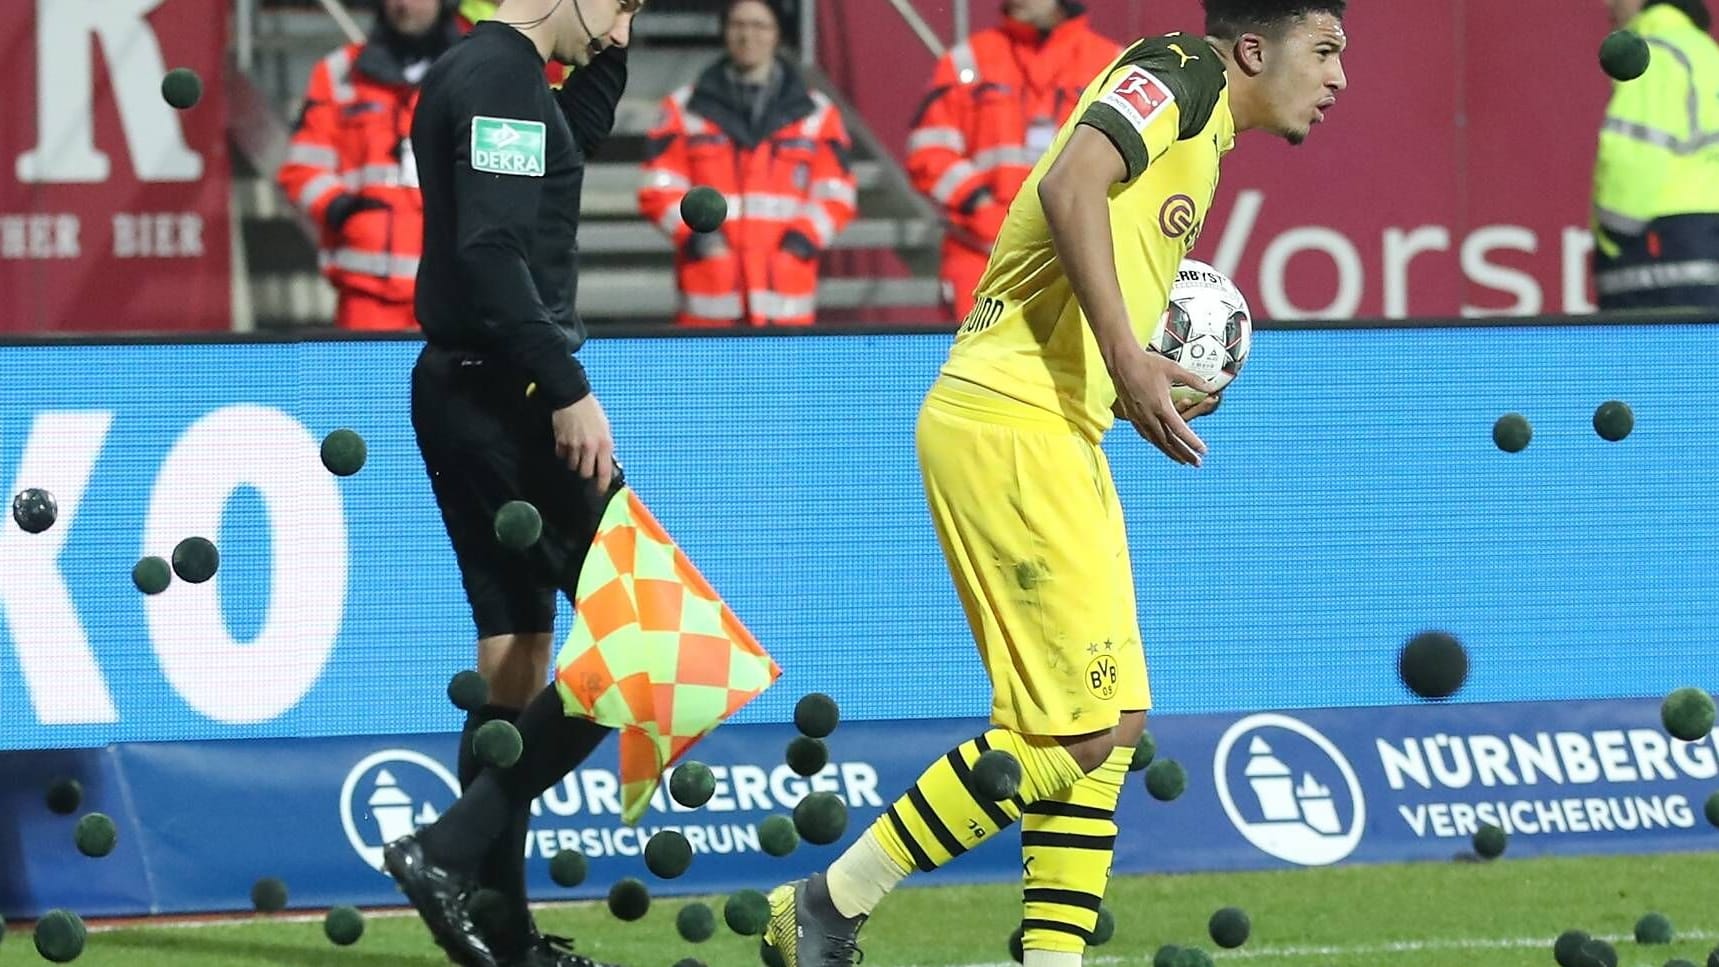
x: 999, y: 818
x: 1069, y: 810
x: 1067, y: 898
x: 1038, y: 837
x: 919, y: 858
x: 935, y: 823
x: 1068, y: 928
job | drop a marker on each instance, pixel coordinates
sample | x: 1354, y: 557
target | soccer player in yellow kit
x: 1020, y: 491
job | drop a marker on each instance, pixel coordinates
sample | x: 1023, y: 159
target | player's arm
x: 497, y: 215
x: 589, y: 96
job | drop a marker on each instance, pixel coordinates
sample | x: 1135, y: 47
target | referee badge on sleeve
x: 508, y: 146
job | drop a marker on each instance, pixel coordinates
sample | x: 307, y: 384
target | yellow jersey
x: 1165, y: 106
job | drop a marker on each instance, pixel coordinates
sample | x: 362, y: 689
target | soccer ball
x: 1206, y: 328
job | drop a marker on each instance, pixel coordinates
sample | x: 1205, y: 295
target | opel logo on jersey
x: 1177, y: 216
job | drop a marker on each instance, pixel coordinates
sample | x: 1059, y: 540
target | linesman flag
x: 654, y: 652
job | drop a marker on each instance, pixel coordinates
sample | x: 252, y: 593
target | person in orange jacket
x: 996, y: 101
x: 350, y: 166
x: 750, y: 128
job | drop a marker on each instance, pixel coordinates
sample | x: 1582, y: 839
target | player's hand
x: 1192, y: 409
x: 583, y: 439
x: 1143, y: 380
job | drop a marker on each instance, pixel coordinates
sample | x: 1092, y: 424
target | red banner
x: 1453, y: 177
x: 113, y: 205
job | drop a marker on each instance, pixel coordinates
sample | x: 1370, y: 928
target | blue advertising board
x: 1352, y: 497
x: 201, y: 821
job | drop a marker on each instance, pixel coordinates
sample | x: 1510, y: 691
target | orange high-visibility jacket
x: 995, y: 101
x: 790, y: 189
x: 353, y: 137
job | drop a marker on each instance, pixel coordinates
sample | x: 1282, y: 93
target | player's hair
x: 1230, y: 19
x: 1695, y: 9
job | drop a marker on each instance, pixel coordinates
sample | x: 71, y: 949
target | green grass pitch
x: 1499, y: 914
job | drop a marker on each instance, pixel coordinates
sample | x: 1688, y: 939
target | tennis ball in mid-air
x: 1144, y: 750
x: 1613, y: 420
x: 35, y: 510
x: 195, y: 560
x: 182, y: 88
x: 151, y: 575
x: 95, y: 835
x: 1103, y: 929
x: 816, y: 715
x: 518, y: 525
x: 343, y: 926
x: 1166, y: 780
x: 468, y: 690
x: 1229, y: 927
x: 695, y: 922
x: 629, y: 900
x: 746, y: 912
x: 821, y: 818
x: 692, y: 784
x: 1433, y: 664
x: 996, y: 775
x: 568, y: 868
x: 704, y: 209
x: 497, y: 743
x: 768, y: 955
x: 807, y: 756
x: 1568, y: 946
x: 1489, y: 841
x: 1687, y: 714
x: 269, y: 895
x: 668, y: 854
x: 66, y: 795
x: 1017, y: 945
x: 1511, y: 433
x: 1653, y: 928
x: 343, y: 453
x: 1167, y: 956
x: 1624, y: 55
x: 777, y: 836
x: 60, y: 936
x: 1712, y: 809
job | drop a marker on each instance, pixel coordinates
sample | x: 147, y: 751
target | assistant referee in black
x: 502, y: 407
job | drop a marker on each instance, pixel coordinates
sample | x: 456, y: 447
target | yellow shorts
x: 1028, y: 518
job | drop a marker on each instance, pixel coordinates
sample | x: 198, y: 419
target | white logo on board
x: 389, y: 794
x: 1296, y: 797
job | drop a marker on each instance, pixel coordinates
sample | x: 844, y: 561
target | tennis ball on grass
x: 704, y: 209
x: 269, y: 895
x: 1687, y: 714
x: 807, y: 756
x: 518, y: 525
x: 1511, y: 433
x: 1613, y: 420
x: 1433, y: 664
x: 629, y: 900
x: 689, y: 962
x: 821, y: 818
x: 1104, y: 929
x: 468, y: 690
x: 60, y: 936
x: 1017, y: 945
x: 996, y: 775
x: 1568, y: 947
x: 568, y: 868
x: 1597, y: 953
x: 695, y: 923
x: 1167, y: 956
x: 1193, y: 957
x: 691, y: 784
x: 343, y: 926
x: 497, y: 743
x: 770, y: 956
x: 151, y: 575
x: 35, y: 510
x: 1144, y: 751
x: 1713, y: 958
x: 1653, y: 928
x: 1489, y: 841
x: 343, y: 453
x: 1679, y: 962
x: 816, y: 715
x: 182, y: 88
x: 668, y: 854
x: 65, y: 795
x: 778, y: 837
x: 195, y: 560
x: 746, y: 912
x: 1166, y: 780
x: 1229, y: 927
x: 95, y: 835
x: 1624, y: 56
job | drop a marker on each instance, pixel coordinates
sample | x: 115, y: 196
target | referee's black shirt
x: 501, y: 164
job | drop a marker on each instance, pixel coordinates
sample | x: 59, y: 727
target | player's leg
x: 1068, y: 839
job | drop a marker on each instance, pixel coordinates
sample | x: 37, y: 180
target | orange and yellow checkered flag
x: 653, y: 652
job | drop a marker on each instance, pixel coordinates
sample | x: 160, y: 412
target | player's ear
x: 1249, y: 53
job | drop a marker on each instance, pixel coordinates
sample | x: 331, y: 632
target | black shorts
x: 484, y: 443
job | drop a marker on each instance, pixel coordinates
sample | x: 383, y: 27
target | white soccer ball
x: 1207, y: 328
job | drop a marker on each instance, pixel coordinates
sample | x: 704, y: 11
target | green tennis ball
x: 1229, y: 927
x: 60, y: 936
x: 518, y: 525
x: 343, y: 926
x: 816, y: 715
x: 1489, y: 841
x: 1687, y: 714
x: 778, y: 837
x: 468, y: 690
x: 269, y: 895
x: 704, y: 209
x: 807, y: 756
x: 151, y: 575
x: 1166, y: 780
x: 692, y: 784
x: 668, y: 854
x: 1597, y: 953
x: 1679, y: 962
x: 996, y: 775
x: 1624, y: 56
x: 182, y: 88
x: 629, y: 900
x: 1104, y: 929
x: 95, y: 835
x: 770, y: 956
x: 35, y: 510
x: 1433, y: 664
x: 568, y: 868
x: 1568, y: 947
x: 1713, y: 809
x: 821, y: 818
x: 746, y: 912
x: 1193, y: 957
x: 66, y: 795
x: 489, y: 911
x: 1653, y: 928
x: 1511, y: 433
x: 1144, y: 751
x: 1017, y: 945
x: 1713, y: 958
x: 1167, y: 956
x: 497, y: 743
x: 195, y: 560
x: 695, y: 922
x: 1613, y: 420
x: 343, y: 453
x: 689, y: 962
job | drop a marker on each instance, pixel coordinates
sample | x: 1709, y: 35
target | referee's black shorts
x: 484, y: 443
